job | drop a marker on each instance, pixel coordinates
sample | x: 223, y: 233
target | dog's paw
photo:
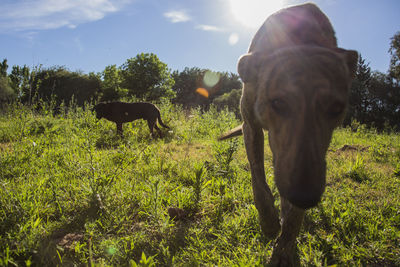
x: 284, y: 254
x: 284, y: 261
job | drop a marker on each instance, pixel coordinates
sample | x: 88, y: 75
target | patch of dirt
x: 351, y: 148
x: 5, y: 147
x: 177, y: 214
x: 191, y: 151
x: 68, y: 240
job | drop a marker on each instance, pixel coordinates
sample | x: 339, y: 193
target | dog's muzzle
x: 306, y: 185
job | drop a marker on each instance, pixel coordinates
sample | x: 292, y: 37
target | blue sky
x: 88, y: 35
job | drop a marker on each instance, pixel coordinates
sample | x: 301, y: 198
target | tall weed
x: 357, y: 170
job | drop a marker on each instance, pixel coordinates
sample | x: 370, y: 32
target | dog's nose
x: 304, y: 199
x: 307, y: 182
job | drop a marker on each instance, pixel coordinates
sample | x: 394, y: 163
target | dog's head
x: 100, y: 110
x: 300, y: 95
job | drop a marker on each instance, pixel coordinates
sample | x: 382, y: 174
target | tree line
x: 143, y: 77
x: 374, y: 97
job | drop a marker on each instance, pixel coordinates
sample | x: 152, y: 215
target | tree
x: 374, y: 98
x: 215, y: 83
x: 394, y: 74
x: 111, y: 84
x: 20, y: 80
x: 146, y: 77
x: 394, y: 50
x: 228, y: 82
x: 359, y: 93
x: 6, y: 92
x: 3, y: 68
x: 230, y: 100
x: 62, y: 85
x: 385, y: 101
x: 186, y: 83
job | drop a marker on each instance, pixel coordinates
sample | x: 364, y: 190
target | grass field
x: 74, y: 193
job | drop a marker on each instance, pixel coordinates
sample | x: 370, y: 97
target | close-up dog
x: 120, y: 112
x: 295, y: 86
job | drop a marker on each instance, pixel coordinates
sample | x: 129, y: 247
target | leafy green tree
x: 374, y: 98
x: 385, y: 101
x: 6, y: 92
x: 111, y: 84
x: 146, y: 77
x: 186, y: 83
x: 228, y: 82
x: 230, y: 100
x: 3, y: 68
x: 359, y: 93
x: 394, y: 50
x: 21, y: 78
x: 63, y: 85
x: 215, y: 83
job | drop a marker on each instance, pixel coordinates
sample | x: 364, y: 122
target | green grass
x: 74, y: 193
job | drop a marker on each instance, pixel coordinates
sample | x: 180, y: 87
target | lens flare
x: 202, y: 92
x: 111, y: 250
x: 210, y: 78
x: 233, y: 39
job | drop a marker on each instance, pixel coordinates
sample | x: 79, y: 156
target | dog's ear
x: 351, y: 59
x: 247, y: 67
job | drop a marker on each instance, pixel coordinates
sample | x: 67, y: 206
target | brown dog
x: 296, y: 85
x: 120, y: 112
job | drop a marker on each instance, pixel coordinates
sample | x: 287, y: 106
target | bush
x: 229, y: 100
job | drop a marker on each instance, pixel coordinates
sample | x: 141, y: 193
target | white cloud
x: 176, y: 16
x: 210, y: 28
x: 51, y: 14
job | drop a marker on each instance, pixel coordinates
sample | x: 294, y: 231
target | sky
x: 88, y: 35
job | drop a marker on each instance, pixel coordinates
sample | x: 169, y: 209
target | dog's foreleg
x: 119, y: 128
x: 263, y: 198
x: 151, y: 124
x: 284, y: 253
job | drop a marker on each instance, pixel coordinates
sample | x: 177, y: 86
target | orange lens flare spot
x: 202, y: 92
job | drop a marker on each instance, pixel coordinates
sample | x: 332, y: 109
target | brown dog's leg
x: 119, y: 128
x: 158, y: 129
x: 263, y: 198
x: 285, y: 253
x: 151, y: 124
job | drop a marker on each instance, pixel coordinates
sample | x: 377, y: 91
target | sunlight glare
x: 252, y: 13
x: 202, y: 92
x: 233, y: 38
x: 210, y: 78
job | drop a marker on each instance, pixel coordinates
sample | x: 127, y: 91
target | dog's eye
x: 279, y: 106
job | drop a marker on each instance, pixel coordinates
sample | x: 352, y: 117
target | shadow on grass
x: 58, y: 247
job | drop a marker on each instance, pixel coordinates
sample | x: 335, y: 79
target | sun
x: 252, y: 13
